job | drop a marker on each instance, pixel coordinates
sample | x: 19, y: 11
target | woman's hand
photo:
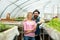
x: 29, y: 31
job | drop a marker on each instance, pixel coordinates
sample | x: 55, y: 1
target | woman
x: 29, y: 27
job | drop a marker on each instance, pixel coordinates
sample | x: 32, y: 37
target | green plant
x: 4, y: 27
x: 19, y: 19
x: 55, y: 24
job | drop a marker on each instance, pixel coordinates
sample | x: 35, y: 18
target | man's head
x: 36, y: 13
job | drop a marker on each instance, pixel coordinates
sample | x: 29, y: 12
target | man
x: 39, y: 21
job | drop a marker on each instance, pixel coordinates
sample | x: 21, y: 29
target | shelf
x: 9, y: 34
x: 53, y: 33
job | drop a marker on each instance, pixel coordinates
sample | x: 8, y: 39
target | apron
x: 37, y: 32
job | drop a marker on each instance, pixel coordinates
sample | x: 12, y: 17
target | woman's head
x: 29, y: 15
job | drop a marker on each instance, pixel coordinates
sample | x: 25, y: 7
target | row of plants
x: 4, y: 27
x: 54, y: 23
x: 19, y: 19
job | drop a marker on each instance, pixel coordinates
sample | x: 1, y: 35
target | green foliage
x: 4, y: 27
x: 54, y: 23
x: 19, y: 19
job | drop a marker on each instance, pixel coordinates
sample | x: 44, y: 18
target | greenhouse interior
x: 29, y: 19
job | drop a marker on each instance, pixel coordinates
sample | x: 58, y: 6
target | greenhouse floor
x: 43, y: 35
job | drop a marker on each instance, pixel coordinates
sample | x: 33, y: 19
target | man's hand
x: 41, y: 21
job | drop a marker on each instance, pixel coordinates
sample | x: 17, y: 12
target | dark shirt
x: 37, y: 32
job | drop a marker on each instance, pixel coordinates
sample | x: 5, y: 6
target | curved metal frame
x: 23, y: 7
x: 7, y: 7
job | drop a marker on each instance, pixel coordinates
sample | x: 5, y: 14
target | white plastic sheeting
x: 21, y: 7
x: 9, y: 34
x: 53, y: 33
